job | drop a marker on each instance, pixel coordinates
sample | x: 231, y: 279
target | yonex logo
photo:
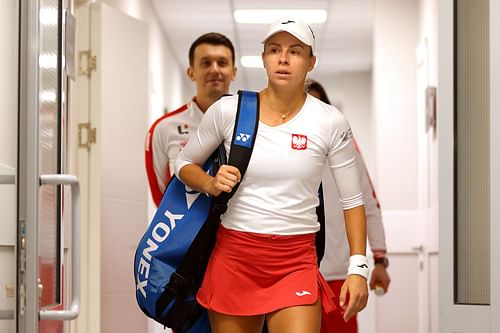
x: 243, y: 137
x: 302, y: 293
x: 158, y: 235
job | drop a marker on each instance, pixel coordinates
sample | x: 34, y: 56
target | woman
x: 263, y: 266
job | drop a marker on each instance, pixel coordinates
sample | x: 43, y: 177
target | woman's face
x: 287, y: 60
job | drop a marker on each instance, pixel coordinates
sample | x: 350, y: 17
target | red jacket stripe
x: 156, y: 193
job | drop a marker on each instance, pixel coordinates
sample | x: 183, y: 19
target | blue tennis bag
x: 172, y: 255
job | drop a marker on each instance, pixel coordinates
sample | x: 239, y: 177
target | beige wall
x: 352, y: 93
x: 394, y: 84
x: 167, y: 87
x: 8, y: 157
x: 8, y: 82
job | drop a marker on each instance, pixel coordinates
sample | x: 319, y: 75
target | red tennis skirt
x: 251, y: 274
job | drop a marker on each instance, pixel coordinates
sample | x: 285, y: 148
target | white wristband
x: 358, y: 264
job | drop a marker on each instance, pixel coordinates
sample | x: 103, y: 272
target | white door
x: 409, y: 271
x: 111, y: 100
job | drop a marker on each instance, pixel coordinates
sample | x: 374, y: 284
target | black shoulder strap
x: 244, y: 134
x: 245, y: 131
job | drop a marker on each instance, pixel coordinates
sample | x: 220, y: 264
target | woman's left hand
x: 356, y: 287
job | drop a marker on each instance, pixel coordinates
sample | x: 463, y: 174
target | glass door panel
x: 49, y: 151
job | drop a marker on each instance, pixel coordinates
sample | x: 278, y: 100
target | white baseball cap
x: 296, y: 28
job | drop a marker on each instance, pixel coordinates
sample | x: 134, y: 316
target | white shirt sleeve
x: 212, y: 131
x: 374, y: 225
x: 342, y: 163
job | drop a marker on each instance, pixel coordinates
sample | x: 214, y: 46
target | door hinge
x: 91, y: 135
x: 86, y: 63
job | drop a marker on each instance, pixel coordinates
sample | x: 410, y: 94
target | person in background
x: 336, y: 259
x: 212, y: 67
x: 264, y: 266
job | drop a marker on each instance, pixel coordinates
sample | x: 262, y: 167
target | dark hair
x: 315, y: 85
x: 212, y: 38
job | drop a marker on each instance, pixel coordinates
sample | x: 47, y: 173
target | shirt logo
x: 347, y: 135
x: 299, y: 142
x: 183, y: 129
x: 302, y: 293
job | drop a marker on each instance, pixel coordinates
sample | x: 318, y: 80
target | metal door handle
x: 74, y: 309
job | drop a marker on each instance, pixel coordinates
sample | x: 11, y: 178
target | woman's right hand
x: 356, y: 287
x: 224, y: 181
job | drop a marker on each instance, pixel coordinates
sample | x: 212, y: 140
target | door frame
x: 83, y: 159
x: 28, y: 306
x: 29, y: 311
x: 457, y: 317
x: 453, y: 317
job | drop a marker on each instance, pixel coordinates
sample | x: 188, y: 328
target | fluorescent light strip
x: 252, y: 61
x: 261, y: 16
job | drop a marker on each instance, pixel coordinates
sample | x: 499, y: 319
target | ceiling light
x: 271, y: 15
x: 252, y: 61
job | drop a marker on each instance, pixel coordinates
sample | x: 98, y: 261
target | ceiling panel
x: 343, y: 42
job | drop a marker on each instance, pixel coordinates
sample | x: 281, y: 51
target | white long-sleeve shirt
x: 278, y: 193
x: 165, y: 138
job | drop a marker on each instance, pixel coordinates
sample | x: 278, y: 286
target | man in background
x: 336, y: 259
x: 212, y: 68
